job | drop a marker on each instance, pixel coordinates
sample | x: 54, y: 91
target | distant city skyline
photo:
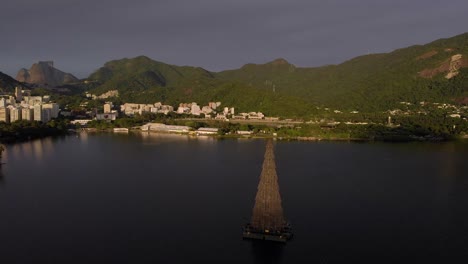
x: 80, y: 36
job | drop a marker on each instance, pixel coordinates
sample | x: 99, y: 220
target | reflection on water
x: 157, y: 138
x: 152, y: 138
x: 140, y: 193
x: 267, y: 252
x: 37, y: 149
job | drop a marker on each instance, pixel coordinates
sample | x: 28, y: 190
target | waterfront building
x: 54, y: 109
x: 46, y: 114
x: 121, y: 129
x: 15, y: 114
x: 37, y: 112
x: 207, y: 131
x: 27, y: 114
x: 5, y: 114
x: 82, y: 122
x: 165, y: 128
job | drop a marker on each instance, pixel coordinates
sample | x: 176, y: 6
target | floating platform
x: 276, y: 236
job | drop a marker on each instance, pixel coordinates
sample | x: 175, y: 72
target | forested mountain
x: 434, y: 72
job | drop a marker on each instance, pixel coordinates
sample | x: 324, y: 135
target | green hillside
x: 375, y: 82
x: 371, y: 82
x: 143, y: 80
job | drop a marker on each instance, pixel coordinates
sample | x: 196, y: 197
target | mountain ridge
x: 8, y: 84
x: 437, y: 71
x: 373, y: 82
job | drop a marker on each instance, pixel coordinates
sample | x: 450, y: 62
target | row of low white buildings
x: 30, y: 108
x: 212, y: 110
x: 131, y: 108
x: 207, y: 110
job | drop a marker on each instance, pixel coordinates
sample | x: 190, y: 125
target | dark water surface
x: 108, y: 198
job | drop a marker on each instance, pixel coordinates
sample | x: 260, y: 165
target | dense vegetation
x: 26, y: 130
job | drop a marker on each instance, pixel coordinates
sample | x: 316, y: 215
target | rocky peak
x: 44, y: 73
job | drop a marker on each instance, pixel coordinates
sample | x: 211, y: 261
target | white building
x: 182, y: 109
x: 165, y: 128
x: 165, y: 109
x: 46, y: 114
x: 244, y: 132
x: 82, y: 122
x: 107, y: 108
x: 27, y: 114
x: 5, y: 114
x: 54, y: 109
x: 207, y: 131
x: 15, y: 114
x: 38, y: 112
x: 195, y: 109
x: 33, y: 100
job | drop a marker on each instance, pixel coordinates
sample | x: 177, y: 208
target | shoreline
x: 402, y: 139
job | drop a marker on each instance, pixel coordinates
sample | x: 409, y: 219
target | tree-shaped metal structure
x: 267, y: 221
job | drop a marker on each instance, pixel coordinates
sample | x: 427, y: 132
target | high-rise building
x: 54, y: 109
x: 38, y: 112
x: 33, y: 100
x: 18, y: 94
x: 27, y: 114
x: 46, y: 114
x: 4, y: 114
x: 15, y: 114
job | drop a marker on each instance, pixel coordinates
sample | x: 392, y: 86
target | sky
x: 81, y: 35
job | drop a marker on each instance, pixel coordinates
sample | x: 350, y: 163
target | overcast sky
x: 81, y: 35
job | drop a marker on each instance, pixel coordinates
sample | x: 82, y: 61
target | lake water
x: 139, y: 198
